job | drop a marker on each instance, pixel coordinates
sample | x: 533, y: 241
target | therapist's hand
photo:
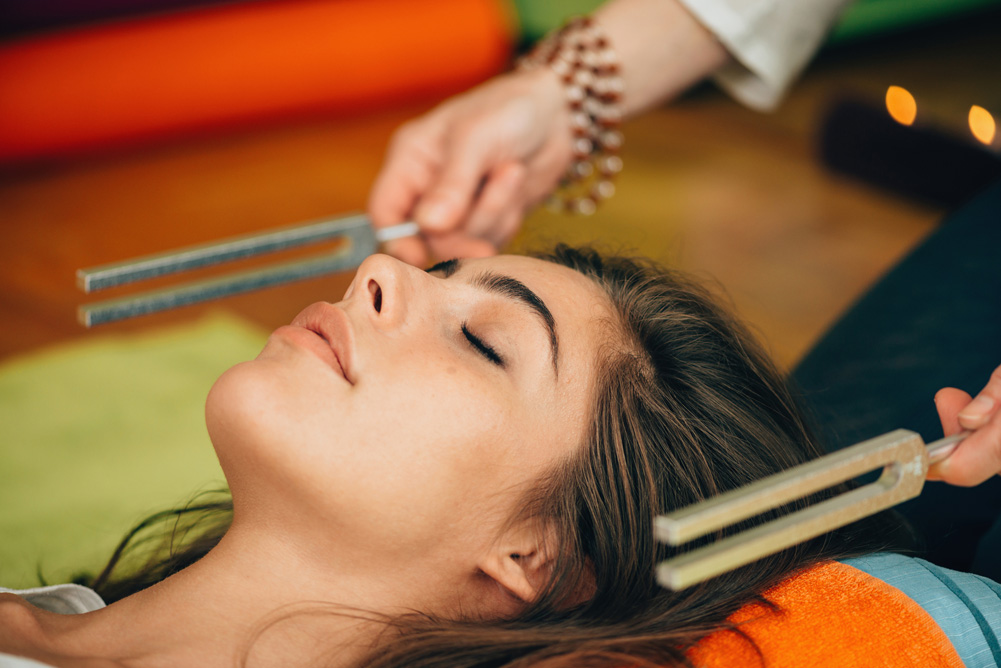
x: 468, y: 170
x: 978, y: 457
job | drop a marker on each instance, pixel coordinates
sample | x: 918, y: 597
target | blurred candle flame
x: 901, y: 105
x: 982, y: 124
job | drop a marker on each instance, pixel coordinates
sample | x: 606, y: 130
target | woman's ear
x: 520, y: 562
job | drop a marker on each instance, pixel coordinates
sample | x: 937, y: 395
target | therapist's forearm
x: 662, y: 49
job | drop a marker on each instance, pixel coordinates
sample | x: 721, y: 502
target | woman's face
x: 410, y: 417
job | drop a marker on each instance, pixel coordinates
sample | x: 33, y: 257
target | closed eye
x: 481, y: 347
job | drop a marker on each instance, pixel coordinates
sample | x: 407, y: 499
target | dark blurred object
x: 933, y: 321
x: 18, y: 17
x: 859, y: 138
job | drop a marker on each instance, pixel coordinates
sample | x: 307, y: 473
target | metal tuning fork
x: 904, y: 459
x: 360, y: 241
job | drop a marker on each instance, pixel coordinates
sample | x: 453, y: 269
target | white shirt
x: 64, y: 599
x: 771, y: 41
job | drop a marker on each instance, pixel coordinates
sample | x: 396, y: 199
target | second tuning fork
x: 356, y: 231
x: 902, y: 455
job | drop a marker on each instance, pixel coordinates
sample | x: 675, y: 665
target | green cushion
x: 99, y: 433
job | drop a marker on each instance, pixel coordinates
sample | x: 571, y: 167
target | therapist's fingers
x: 948, y: 402
x: 978, y: 457
x: 499, y: 199
x: 985, y: 405
x: 412, y: 250
x: 465, y: 164
x: 411, y: 162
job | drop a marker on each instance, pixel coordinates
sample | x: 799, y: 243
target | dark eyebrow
x: 511, y: 288
x: 446, y: 268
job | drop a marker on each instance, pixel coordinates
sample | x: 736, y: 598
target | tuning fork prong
x: 359, y: 238
x: 902, y: 455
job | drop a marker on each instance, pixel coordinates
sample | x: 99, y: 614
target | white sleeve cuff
x: 771, y: 41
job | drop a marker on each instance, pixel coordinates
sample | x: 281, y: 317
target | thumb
x: 949, y: 402
x: 447, y: 204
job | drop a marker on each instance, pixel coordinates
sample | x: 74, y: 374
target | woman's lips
x: 307, y: 339
x: 328, y: 354
x: 331, y: 335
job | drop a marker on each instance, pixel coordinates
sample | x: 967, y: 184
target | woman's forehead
x: 559, y: 286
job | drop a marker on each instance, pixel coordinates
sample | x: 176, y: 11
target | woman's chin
x: 234, y: 408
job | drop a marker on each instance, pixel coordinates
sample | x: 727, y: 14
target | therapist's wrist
x: 584, y: 61
x: 662, y: 47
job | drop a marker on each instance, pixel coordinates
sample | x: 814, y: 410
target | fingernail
x: 977, y: 408
x: 938, y: 471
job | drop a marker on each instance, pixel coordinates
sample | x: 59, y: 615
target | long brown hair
x: 686, y: 406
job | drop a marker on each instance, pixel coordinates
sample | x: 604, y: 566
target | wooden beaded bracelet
x: 580, y: 54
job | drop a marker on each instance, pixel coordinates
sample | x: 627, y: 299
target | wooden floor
x: 732, y: 195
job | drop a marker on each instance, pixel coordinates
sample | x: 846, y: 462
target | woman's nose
x: 382, y: 285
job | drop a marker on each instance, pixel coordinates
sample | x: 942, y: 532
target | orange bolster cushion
x: 831, y: 615
x: 132, y: 81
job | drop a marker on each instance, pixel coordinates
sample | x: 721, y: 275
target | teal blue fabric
x: 967, y: 607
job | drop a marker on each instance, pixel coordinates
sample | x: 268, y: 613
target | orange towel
x: 198, y: 70
x: 831, y: 615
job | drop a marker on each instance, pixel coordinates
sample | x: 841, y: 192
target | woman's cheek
x: 445, y: 425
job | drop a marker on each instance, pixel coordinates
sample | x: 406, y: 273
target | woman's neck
x: 249, y: 598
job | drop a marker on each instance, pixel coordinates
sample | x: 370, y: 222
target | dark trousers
x: 933, y: 321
